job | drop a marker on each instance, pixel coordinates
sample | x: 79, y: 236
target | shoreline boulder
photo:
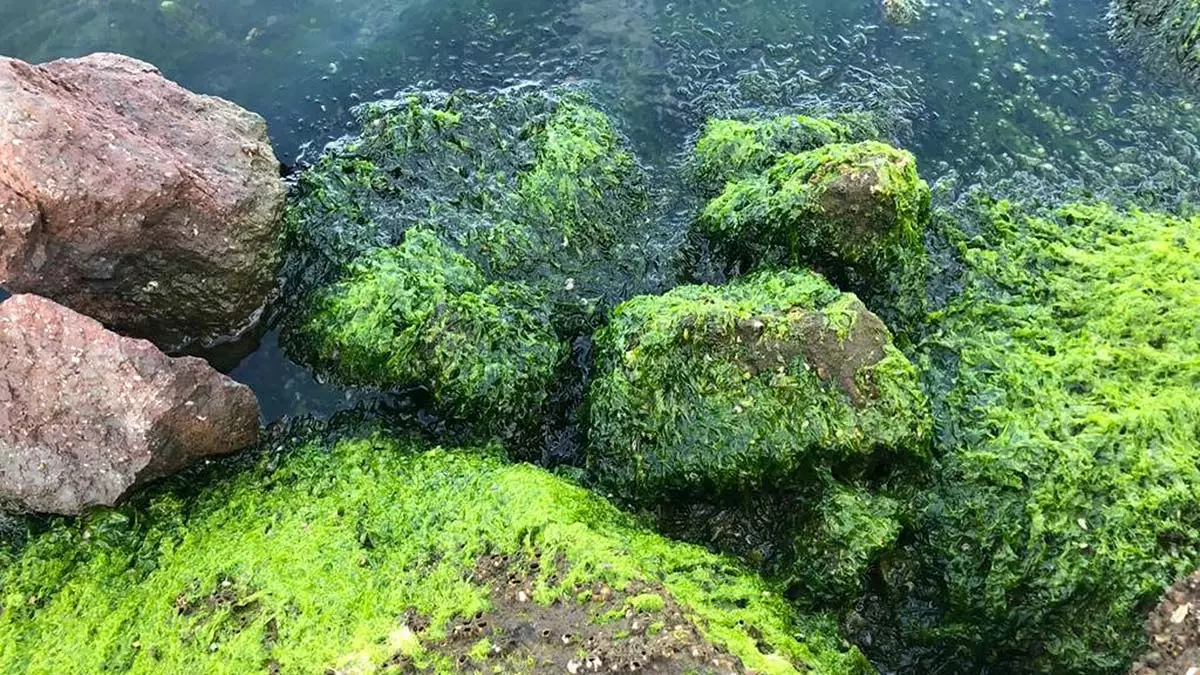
x: 86, y: 415
x: 129, y: 199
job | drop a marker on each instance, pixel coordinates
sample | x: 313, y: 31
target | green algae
x: 853, y: 211
x: 720, y: 387
x: 419, y: 314
x: 729, y: 148
x: 529, y: 213
x: 358, y: 556
x: 1167, y: 29
x: 713, y: 406
x: 1068, y: 476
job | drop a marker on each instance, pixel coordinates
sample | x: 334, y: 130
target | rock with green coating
x: 853, y: 211
x: 764, y: 380
x: 747, y: 416
x: 419, y: 314
x: 531, y: 217
x: 729, y: 149
x: 377, y: 555
x: 1068, y: 478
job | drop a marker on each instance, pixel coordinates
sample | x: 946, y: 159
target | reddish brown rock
x: 86, y: 415
x: 134, y: 201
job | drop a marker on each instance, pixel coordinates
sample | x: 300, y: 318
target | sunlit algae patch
x: 377, y: 554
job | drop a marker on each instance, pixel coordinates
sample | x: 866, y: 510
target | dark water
x: 1027, y: 93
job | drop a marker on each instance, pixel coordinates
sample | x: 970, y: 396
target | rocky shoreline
x: 868, y: 481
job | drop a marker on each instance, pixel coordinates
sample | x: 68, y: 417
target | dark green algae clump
x: 378, y: 554
x: 460, y: 242
x: 1066, y: 494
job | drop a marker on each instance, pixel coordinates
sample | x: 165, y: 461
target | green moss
x: 719, y: 388
x: 855, y: 212
x: 729, y: 149
x: 337, y: 558
x: 1069, y: 475
x: 419, y: 314
x: 647, y: 602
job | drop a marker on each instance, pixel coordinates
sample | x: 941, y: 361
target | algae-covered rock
x: 530, y: 212
x: 1167, y: 30
x: 730, y: 148
x: 750, y: 416
x: 724, y: 388
x: 420, y: 314
x: 853, y: 211
x: 379, y: 555
x: 1069, y: 444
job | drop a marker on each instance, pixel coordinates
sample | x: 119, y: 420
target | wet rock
x: 131, y: 200
x: 1173, y: 629
x: 86, y: 415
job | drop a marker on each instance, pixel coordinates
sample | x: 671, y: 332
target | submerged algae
x: 364, y: 556
x: 1068, y: 476
x: 1167, y: 29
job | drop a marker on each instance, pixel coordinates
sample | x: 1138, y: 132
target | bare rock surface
x: 1174, y: 632
x: 134, y: 201
x: 86, y: 415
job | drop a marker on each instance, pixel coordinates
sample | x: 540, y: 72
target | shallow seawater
x: 1023, y: 92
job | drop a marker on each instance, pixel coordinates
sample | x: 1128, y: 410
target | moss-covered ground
x: 376, y: 554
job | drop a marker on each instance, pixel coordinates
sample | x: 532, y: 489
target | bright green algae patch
x: 729, y: 149
x: 777, y: 392
x: 853, y: 211
x: 531, y: 217
x: 360, y: 558
x: 1068, y: 489
x: 420, y: 314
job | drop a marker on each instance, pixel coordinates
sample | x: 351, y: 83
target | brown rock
x: 1173, y: 629
x: 86, y: 415
x: 127, y: 198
